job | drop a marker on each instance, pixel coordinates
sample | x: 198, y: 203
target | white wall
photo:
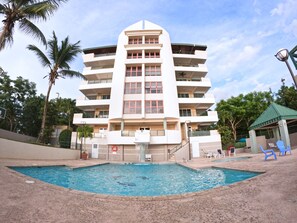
x: 17, y: 150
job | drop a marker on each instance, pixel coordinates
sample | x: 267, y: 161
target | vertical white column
x: 282, y: 124
x: 254, y: 147
x: 143, y: 90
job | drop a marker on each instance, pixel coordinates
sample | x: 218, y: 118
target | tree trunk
x: 41, y: 135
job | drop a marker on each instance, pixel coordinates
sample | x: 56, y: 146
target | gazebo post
x: 254, y: 147
x: 276, y: 133
x: 284, y: 133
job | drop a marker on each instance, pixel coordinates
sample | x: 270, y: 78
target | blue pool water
x: 136, y: 180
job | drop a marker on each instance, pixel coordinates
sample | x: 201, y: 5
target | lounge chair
x: 268, y: 153
x: 231, y: 151
x: 207, y: 154
x: 282, y: 149
x: 148, y: 157
x: 221, y: 153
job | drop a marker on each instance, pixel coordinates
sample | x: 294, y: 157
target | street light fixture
x: 189, y: 136
x: 283, y: 55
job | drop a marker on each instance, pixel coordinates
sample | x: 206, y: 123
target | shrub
x: 239, y: 144
x: 65, y: 138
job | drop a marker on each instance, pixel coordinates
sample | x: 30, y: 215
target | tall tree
x: 13, y: 94
x: 24, y: 12
x: 58, y: 61
x: 287, y: 96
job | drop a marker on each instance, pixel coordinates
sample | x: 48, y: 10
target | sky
x: 241, y: 36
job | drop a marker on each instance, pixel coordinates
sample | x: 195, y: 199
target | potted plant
x: 84, y: 131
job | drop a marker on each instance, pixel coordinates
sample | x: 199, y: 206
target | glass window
x: 154, y: 107
x: 132, y: 107
x: 185, y: 112
x: 134, y: 55
x: 135, y: 40
x: 133, y: 88
x: 153, y: 70
x: 152, y: 54
x: 183, y: 95
x: 134, y: 71
x: 153, y: 87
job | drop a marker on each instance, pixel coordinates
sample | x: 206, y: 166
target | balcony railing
x: 152, y: 133
x: 104, y: 54
x: 199, y: 133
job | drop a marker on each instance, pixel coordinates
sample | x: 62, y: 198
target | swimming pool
x: 136, y: 180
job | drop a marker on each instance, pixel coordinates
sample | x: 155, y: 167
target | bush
x: 65, y: 138
x: 239, y: 144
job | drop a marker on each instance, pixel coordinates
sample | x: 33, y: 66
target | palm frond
x: 71, y: 74
x: 29, y: 28
x: 39, y: 10
x: 41, y: 56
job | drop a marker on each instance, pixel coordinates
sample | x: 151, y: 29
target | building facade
x: 147, y: 95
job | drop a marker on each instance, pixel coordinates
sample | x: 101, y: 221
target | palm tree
x: 23, y: 12
x: 84, y: 131
x: 57, y: 61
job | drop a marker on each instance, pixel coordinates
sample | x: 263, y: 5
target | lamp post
x: 283, y: 55
x: 189, y: 137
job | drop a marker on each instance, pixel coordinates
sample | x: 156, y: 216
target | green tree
x: 24, y: 12
x: 13, y: 94
x: 231, y: 113
x: 287, y: 96
x: 85, y: 131
x: 238, y: 113
x: 58, y: 61
x: 32, y: 115
x: 65, y: 138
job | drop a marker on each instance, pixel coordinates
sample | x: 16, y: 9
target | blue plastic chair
x: 282, y: 149
x: 268, y: 153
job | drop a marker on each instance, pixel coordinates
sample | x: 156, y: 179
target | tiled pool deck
x: 270, y: 197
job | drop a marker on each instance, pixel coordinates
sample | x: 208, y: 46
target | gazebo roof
x: 273, y: 114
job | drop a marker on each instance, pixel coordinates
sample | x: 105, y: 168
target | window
x: 151, y: 40
x: 105, y: 97
x: 198, y: 95
x: 153, y: 70
x: 135, y: 40
x: 134, y: 55
x: 132, y: 107
x: 183, y: 95
x: 185, y: 112
x: 153, y: 87
x: 103, y: 114
x: 154, y: 107
x: 133, y: 88
x: 152, y: 54
x: 133, y: 71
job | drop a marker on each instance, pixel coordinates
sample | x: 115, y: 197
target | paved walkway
x: 270, y: 197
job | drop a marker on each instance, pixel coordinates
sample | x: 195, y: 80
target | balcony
x: 97, y: 60
x: 156, y: 137
x: 211, y: 117
x: 191, y: 71
x: 204, y: 102
x: 193, y: 85
x: 91, y: 104
x: 100, y: 73
x: 181, y: 59
x: 95, y: 86
x: 78, y: 119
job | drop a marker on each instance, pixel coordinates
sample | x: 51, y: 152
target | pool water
x: 136, y: 180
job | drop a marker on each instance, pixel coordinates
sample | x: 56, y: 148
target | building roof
x: 273, y: 114
x: 101, y: 50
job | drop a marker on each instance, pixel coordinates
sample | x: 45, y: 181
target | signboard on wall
x: 2, y: 113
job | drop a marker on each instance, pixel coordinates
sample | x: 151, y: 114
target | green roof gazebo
x: 274, y: 117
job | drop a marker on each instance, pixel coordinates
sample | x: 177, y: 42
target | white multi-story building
x: 147, y: 95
